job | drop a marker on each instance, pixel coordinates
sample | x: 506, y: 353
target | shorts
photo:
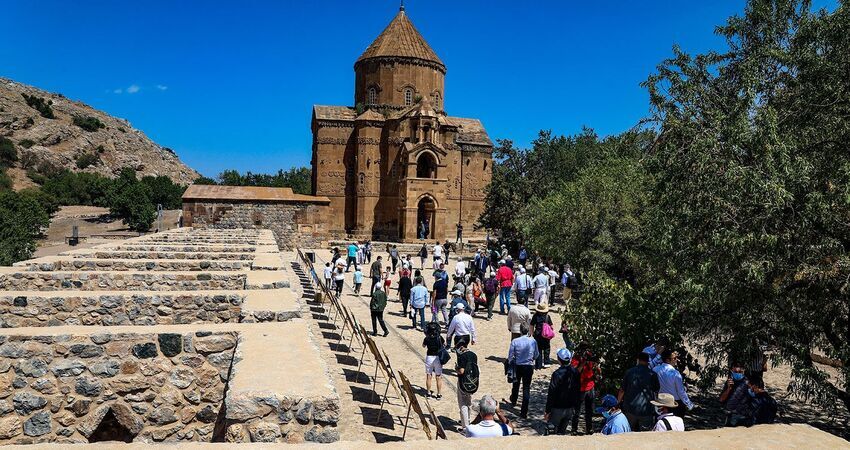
x: 433, y: 366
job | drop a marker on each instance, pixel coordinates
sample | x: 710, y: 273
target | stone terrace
x: 178, y: 336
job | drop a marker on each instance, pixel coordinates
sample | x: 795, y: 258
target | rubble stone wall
x: 230, y: 256
x: 269, y: 418
x: 116, y: 281
x: 293, y: 224
x: 189, y: 248
x: 135, y: 265
x: 144, y: 308
x: 160, y: 387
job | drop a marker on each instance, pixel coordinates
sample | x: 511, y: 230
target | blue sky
x: 231, y: 84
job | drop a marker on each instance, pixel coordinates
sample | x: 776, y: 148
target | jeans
x: 491, y: 299
x: 560, y: 418
x: 504, y: 298
x: 521, y: 296
x: 586, y: 397
x: 523, y: 375
x: 378, y: 316
x: 440, y: 307
x: 464, y: 403
x: 421, y: 313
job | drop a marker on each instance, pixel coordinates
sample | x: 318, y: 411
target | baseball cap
x: 608, y: 402
x: 455, y: 292
x: 565, y: 354
x: 460, y: 306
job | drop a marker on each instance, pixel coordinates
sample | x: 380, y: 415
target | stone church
x: 396, y: 166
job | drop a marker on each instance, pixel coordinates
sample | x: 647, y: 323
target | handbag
x: 547, y: 332
x: 444, y: 355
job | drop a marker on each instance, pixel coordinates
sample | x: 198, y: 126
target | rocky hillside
x: 52, y: 132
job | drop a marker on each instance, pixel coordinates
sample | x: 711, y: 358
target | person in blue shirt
x: 358, y: 279
x: 522, y: 352
x: 419, y: 299
x: 352, y: 256
x: 615, y: 421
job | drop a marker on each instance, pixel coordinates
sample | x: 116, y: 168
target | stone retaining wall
x: 293, y: 224
x: 230, y: 256
x: 270, y: 418
x: 160, y: 387
x: 188, y: 248
x: 144, y: 308
x: 135, y: 265
x: 118, y: 281
x: 202, y: 240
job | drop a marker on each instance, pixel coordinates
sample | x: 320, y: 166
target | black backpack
x: 468, y: 383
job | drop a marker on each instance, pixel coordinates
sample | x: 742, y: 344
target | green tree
x: 204, y: 181
x: 164, y: 191
x: 753, y: 191
x: 132, y: 203
x: 21, y: 221
x: 8, y: 152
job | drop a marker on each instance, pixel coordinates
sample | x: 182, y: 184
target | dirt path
x: 404, y: 347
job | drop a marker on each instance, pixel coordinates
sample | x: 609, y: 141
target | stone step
x: 14, y: 279
x: 186, y: 248
x: 266, y: 279
x: 122, y: 254
x: 184, y: 265
x: 275, y: 386
x: 107, y: 308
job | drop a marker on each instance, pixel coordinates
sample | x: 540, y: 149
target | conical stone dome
x: 400, y: 39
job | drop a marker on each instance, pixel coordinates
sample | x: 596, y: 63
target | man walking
x: 522, y: 353
x: 461, y: 327
x: 563, y: 394
x: 670, y: 381
x: 467, y: 380
x: 505, y: 277
x: 522, y: 285
x: 419, y: 297
x: 491, y: 289
x: 588, y: 371
x: 517, y: 316
x: 352, y: 256
x: 376, y: 307
x: 404, y: 287
x: 394, y: 256
x: 639, y: 389
x: 375, y: 272
x: 541, y: 285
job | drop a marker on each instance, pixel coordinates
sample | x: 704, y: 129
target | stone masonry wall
x: 118, y: 281
x: 160, y: 387
x: 293, y: 224
x: 189, y: 248
x: 230, y: 256
x: 144, y: 308
x: 135, y: 265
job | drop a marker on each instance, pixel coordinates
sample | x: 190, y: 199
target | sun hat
x: 542, y: 307
x: 608, y: 402
x: 665, y: 400
x: 565, y: 354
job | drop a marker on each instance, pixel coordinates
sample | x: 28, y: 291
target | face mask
x: 737, y: 376
x: 658, y: 411
x: 606, y: 415
x: 751, y: 392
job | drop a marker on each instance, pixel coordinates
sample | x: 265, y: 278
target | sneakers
x: 438, y: 396
x: 386, y: 333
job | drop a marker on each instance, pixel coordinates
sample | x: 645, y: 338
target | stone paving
x: 186, y: 335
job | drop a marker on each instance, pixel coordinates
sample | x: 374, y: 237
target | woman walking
x: 433, y: 343
x: 543, y: 332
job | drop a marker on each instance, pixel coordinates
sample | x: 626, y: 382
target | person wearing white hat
x: 461, y: 326
x: 563, y: 395
x: 667, y: 421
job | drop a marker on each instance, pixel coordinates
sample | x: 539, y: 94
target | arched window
x: 438, y: 101
x: 408, y: 96
x: 426, y: 166
x: 372, y: 96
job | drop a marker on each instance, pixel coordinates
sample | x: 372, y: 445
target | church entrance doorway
x: 426, y: 213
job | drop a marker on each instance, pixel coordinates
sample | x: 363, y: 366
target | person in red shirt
x: 505, y: 277
x: 588, y: 369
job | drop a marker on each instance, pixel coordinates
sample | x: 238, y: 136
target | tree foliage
x: 21, y: 222
x: 299, y: 179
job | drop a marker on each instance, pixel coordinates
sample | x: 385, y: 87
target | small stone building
x: 295, y: 219
x: 396, y: 160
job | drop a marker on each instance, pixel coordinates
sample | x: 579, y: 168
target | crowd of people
x: 651, y: 395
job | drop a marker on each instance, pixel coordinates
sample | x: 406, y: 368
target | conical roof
x: 401, y: 39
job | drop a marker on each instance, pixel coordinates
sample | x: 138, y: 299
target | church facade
x: 396, y: 166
